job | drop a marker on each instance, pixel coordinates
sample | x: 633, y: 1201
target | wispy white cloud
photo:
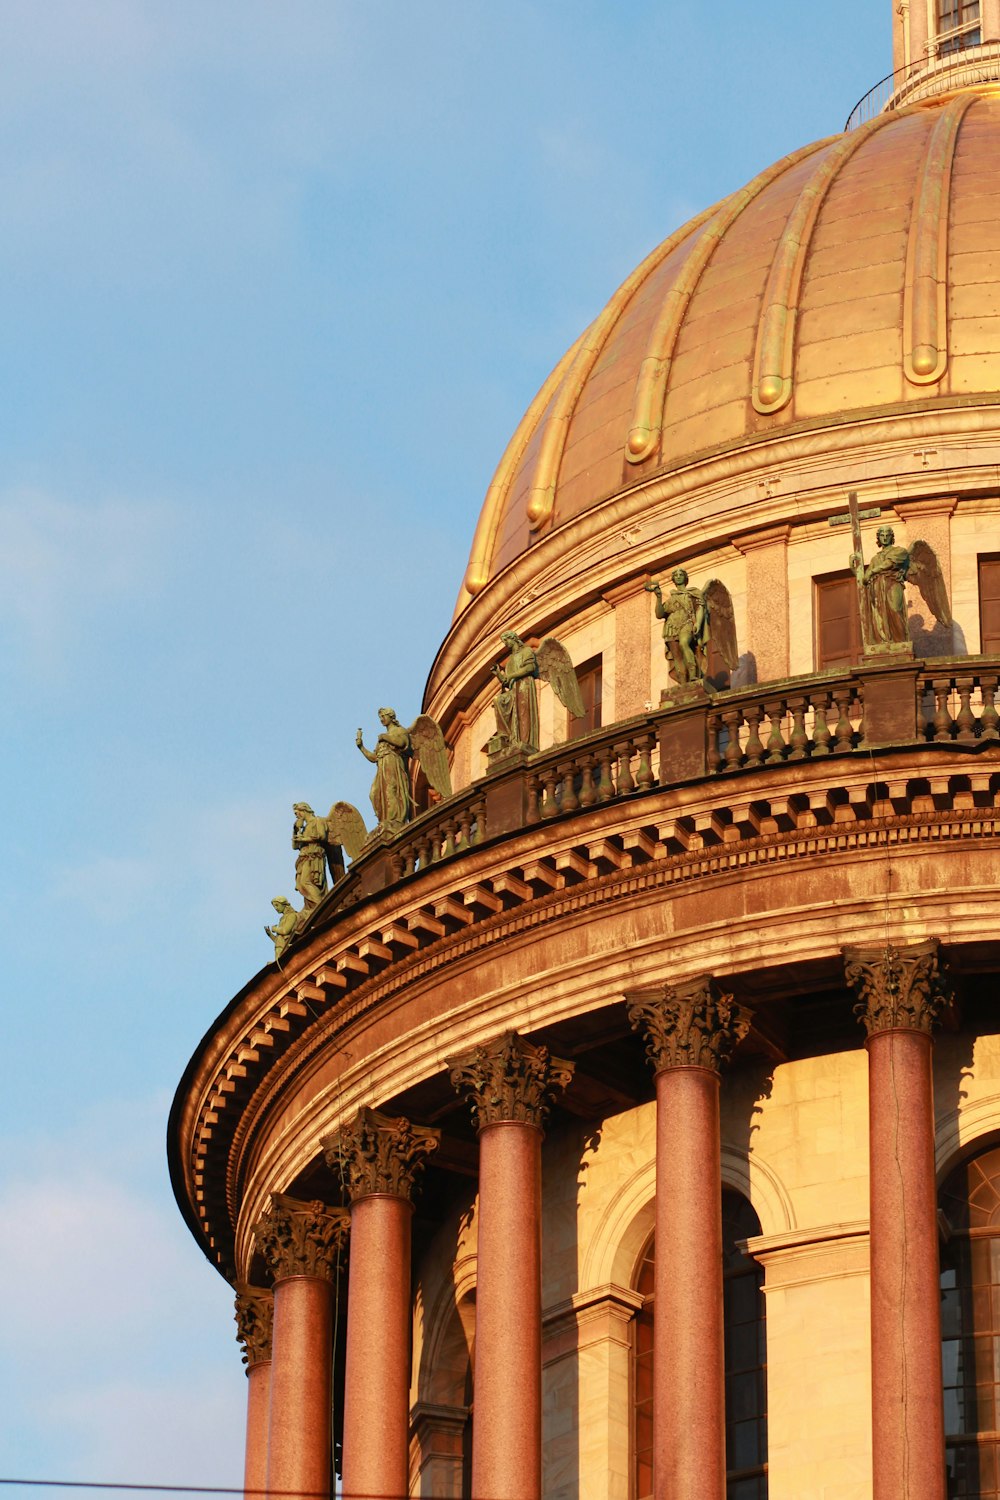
x: 65, y: 563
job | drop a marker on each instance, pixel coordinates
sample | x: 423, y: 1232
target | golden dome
x: 860, y: 275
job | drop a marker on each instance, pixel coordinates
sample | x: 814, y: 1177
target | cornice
x: 633, y: 850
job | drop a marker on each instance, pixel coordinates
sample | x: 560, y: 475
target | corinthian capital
x: 687, y: 1026
x: 378, y: 1154
x: 509, y: 1079
x: 254, y: 1318
x: 899, y: 989
x: 301, y: 1239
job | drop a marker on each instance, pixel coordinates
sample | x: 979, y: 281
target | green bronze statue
x: 882, y: 591
x: 516, y: 704
x: 691, y: 618
x: 284, y: 929
x: 391, y: 793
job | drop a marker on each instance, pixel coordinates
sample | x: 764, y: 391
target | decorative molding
x: 509, y: 1079
x: 301, y: 1239
x: 687, y: 1026
x: 379, y: 1153
x: 338, y: 996
x: 900, y: 989
x: 254, y: 1322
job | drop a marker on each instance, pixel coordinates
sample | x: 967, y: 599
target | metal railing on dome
x: 946, y: 67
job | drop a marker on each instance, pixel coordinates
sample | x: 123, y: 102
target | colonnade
x: 691, y: 1031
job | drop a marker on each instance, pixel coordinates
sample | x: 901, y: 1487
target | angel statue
x: 883, y: 596
x: 691, y: 617
x: 391, y: 795
x: 516, y: 704
x: 321, y: 842
x: 284, y: 929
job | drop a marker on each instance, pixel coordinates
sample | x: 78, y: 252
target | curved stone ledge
x: 486, y: 899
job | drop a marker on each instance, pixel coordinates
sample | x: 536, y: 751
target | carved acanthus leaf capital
x: 688, y: 1025
x: 301, y: 1239
x: 899, y: 989
x: 254, y: 1320
x: 509, y: 1079
x: 377, y: 1153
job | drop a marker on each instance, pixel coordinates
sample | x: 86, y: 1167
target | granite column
x: 254, y: 1318
x: 378, y: 1159
x: 900, y: 997
x: 509, y: 1083
x: 690, y: 1032
x: 301, y: 1244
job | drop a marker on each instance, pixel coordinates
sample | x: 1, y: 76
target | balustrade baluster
x: 605, y: 786
x: 965, y: 723
x: 448, y: 841
x: 479, y: 821
x: 588, y: 791
x: 942, y: 713
x: 732, y: 718
x: 464, y: 828
x: 570, y: 801
x: 821, y: 725
x: 549, y: 806
x: 754, y: 750
x: 843, y: 734
x: 625, y: 782
x: 422, y: 856
x: 397, y: 864
x: 644, y: 770
x: 532, y: 813
x: 988, y: 718
x: 775, y: 740
x: 798, y: 740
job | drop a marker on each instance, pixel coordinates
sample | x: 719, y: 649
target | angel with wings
x: 516, y: 704
x: 391, y: 794
x: 320, y: 843
x: 691, y: 618
x: 881, y: 587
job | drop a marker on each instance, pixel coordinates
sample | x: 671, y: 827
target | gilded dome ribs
x: 484, y: 542
x: 541, y: 495
x: 651, y: 385
x: 925, y: 293
x: 773, y: 367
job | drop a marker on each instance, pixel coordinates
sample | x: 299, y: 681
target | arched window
x: 746, y: 1369
x: 970, y: 1326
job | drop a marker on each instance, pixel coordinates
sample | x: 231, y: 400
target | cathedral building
x: 621, y: 1116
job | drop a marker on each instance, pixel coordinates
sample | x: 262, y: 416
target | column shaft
x: 299, y: 1435
x: 907, y: 1406
x: 507, y: 1429
x: 377, y: 1396
x: 258, y: 1403
x: 689, y: 1403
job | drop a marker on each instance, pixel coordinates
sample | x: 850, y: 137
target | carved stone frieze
x: 254, y: 1321
x: 301, y: 1239
x: 899, y: 989
x: 509, y: 1079
x: 688, y: 1025
x: 377, y: 1153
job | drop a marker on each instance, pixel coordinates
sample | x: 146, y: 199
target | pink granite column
x: 899, y: 1000
x: 509, y: 1083
x: 378, y: 1159
x: 690, y: 1033
x: 254, y: 1317
x: 301, y: 1244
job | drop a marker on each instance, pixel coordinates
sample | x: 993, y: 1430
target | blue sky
x: 279, y: 280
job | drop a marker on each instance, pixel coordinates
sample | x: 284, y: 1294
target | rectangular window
x: 989, y: 604
x: 838, y: 622
x: 589, y: 677
x: 958, y: 25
